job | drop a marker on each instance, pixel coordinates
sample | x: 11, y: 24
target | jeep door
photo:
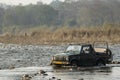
x: 87, y: 56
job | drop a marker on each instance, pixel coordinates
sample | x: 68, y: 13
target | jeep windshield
x: 75, y: 49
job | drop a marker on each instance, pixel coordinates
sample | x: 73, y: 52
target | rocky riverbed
x: 12, y: 55
x: 17, y: 60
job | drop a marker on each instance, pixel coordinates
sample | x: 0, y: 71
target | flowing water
x: 17, y: 60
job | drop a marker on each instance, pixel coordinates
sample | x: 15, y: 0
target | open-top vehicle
x: 83, y: 55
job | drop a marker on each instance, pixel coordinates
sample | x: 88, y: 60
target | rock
x: 118, y: 62
x: 70, y: 69
x: 81, y: 79
x: 35, y: 74
x: 42, y: 72
x: 78, y: 68
x: 53, y: 77
x: 26, y: 77
x: 49, y: 79
x: 11, y: 67
x: 115, y: 62
x: 45, y: 74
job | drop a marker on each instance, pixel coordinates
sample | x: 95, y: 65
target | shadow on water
x: 83, y: 69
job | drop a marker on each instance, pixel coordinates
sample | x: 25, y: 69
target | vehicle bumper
x: 60, y: 63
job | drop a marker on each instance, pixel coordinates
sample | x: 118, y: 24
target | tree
x: 1, y: 18
x: 30, y: 15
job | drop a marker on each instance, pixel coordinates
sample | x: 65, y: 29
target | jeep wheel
x: 101, y: 63
x: 74, y: 63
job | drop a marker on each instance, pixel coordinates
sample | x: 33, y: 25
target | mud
x: 18, y: 60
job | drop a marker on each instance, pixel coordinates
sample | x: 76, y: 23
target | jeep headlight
x: 66, y: 58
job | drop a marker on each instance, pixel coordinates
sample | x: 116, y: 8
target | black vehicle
x: 83, y: 55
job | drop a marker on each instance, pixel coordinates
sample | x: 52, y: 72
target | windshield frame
x: 75, y: 49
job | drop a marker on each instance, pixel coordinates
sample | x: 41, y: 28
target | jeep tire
x: 74, y: 63
x: 100, y: 63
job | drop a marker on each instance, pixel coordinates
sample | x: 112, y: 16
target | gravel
x: 12, y: 55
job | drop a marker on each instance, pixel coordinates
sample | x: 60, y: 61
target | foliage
x: 70, y: 13
x: 26, y: 16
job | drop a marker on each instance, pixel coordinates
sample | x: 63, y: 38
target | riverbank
x: 63, y: 36
x: 27, y: 40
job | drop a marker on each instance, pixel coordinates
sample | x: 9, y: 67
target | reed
x: 65, y: 35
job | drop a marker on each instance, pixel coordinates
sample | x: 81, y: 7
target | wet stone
x: 26, y: 77
x: 53, y: 77
x: 81, y: 79
x: 42, y: 71
x: 11, y: 67
x: 45, y: 74
x: 115, y: 62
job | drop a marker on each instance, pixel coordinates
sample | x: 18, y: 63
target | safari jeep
x: 83, y: 55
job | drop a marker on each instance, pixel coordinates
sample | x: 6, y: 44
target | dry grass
x: 65, y: 35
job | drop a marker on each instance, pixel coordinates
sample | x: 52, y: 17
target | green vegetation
x: 31, y: 15
x: 70, y: 13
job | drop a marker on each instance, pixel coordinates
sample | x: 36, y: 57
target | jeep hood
x: 65, y: 54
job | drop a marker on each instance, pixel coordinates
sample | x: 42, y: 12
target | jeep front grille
x: 59, y: 58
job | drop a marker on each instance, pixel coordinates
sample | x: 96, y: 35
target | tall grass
x: 65, y: 35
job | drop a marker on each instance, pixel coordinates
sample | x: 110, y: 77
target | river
x: 17, y: 60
